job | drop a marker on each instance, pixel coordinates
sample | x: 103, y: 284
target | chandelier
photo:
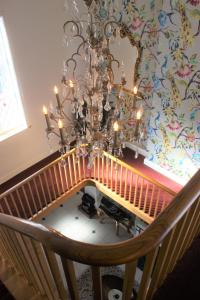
x: 91, y: 110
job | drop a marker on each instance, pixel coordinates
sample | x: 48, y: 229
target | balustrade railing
x: 44, y: 188
x: 46, y: 258
x: 40, y: 192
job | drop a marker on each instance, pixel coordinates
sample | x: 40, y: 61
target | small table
x: 108, y: 208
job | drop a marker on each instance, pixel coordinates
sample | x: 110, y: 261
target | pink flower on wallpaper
x: 174, y: 125
x: 137, y: 22
x: 184, y: 71
x: 194, y: 2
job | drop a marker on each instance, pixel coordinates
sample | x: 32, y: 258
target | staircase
x: 46, y: 258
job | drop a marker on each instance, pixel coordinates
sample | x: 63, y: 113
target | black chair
x: 87, y: 205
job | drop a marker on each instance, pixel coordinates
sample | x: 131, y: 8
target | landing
x: 73, y: 223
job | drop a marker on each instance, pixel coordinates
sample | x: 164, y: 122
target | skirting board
x: 164, y: 172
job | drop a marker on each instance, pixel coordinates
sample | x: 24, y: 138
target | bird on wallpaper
x: 151, y: 130
x: 157, y: 82
x: 163, y: 18
x: 164, y: 65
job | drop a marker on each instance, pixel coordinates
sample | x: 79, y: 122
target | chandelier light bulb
x: 71, y: 84
x: 60, y: 124
x: 45, y: 111
x: 116, y: 126
x: 135, y: 90
x: 139, y: 114
x: 55, y: 90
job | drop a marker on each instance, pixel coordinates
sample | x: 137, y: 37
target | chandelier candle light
x: 104, y: 115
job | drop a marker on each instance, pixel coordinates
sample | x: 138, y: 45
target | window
x: 12, y: 119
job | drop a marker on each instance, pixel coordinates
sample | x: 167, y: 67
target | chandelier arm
x: 110, y: 23
x: 74, y: 23
x: 74, y: 61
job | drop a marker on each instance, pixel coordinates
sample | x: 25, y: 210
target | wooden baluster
x: 43, y: 192
x: 20, y: 200
x: 98, y: 158
x: 126, y: 183
x: 111, y: 185
x: 79, y: 169
x: 194, y: 230
x: 70, y: 276
x: 151, y: 201
x: 146, y: 276
x: 84, y: 168
x: 107, y: 175
x: 14, y: 204
x: 53, y: 265
x: 30, y: 262
x: 116, y: 178
x: 1, y: 208
x: 4, y: 250
x: 97, y: 283
x: 66, y: 176
x: 131, y: 187
x: 56, y: 178
x: 61, y: 178
x: 120, y: 184
x: 156, y: 206
x: 39, y: 267
x: 163, y: 204
x: 43, y: 267
x: 129, y: 277
x: 194, y: 210
x: 38, y: 194
x: 47, y: 185
x: 136, y: 190
x: 8, y: 206
x: 11, y: 251
x: 160, y: 262
x: 24, y: 265
x: 141, y: 195
x: 27, y: 201
x: 94, y: 168
x: 70, y: 171
x: 176, y: 240
x: 146, y: 197
x: 102, y: 170
x: 32, y: 197
x: 52, y: 183
x: 74, y: 165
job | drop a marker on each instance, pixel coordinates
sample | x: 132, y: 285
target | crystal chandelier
x: 103, y: 115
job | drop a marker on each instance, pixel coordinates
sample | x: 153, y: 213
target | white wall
x: 34, y: 29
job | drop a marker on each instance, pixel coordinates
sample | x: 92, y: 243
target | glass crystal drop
x: 107, y: 106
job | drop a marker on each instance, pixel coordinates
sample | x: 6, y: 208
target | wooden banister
x: 32, y: 247
x: 112, y: 254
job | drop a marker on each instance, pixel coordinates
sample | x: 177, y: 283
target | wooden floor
x: 16, y: 284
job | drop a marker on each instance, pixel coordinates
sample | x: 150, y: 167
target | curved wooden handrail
x: 112, y: 254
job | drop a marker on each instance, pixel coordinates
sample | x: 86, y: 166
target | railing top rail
x: 153, y: 181
x: 118, y: 253
x: 16, y: 186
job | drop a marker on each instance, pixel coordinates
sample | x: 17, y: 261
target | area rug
x: 85, y: 281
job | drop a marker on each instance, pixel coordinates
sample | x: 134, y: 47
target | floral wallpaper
x: 169, y: 31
